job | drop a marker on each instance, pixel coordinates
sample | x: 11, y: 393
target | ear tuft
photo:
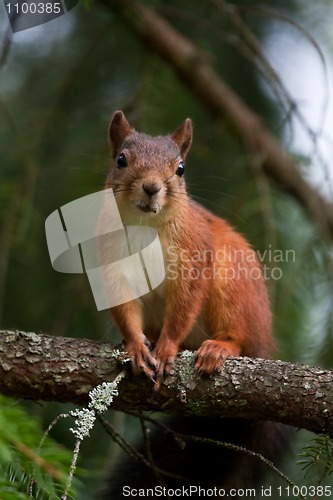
x: 119, y: 129
x: 183, y: 137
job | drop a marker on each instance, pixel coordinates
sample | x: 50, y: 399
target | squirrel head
x: 147, y: 173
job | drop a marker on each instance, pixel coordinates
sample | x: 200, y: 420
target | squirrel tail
x: 201, y: 463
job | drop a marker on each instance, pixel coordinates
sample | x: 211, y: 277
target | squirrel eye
x: 121, y: 161
x: 181, y: 169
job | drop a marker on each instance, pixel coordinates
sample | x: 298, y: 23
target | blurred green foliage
x: 21, y: 459
x: 59, y: 85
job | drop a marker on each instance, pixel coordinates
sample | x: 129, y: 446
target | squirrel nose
x: 151, y: 188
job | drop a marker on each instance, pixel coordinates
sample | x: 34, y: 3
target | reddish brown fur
x: 217, y: 316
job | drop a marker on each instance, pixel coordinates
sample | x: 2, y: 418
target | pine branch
x: 42, y: 367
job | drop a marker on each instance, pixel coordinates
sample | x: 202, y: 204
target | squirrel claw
x: 164, y: 368
x: 142, y: 360
x: 159, y: 377
x: 211, y: 356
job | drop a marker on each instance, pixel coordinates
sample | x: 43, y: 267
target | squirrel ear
x: 119, y: 129
x: 183, y: 137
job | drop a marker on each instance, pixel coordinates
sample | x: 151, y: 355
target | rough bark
x: 195, y: 70
x: 42, y: 367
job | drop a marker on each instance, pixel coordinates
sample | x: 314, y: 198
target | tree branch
x: 42, y: 367
x: 197, y: 73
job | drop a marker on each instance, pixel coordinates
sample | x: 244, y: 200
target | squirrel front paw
x: 164, y: 353
x: 213, y: 353
x: 142, y: 360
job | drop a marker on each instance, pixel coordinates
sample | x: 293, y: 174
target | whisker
x: 222, y: 193
x: 210, y: 177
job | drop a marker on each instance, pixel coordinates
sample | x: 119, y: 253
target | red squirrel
x: 214, y: 299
